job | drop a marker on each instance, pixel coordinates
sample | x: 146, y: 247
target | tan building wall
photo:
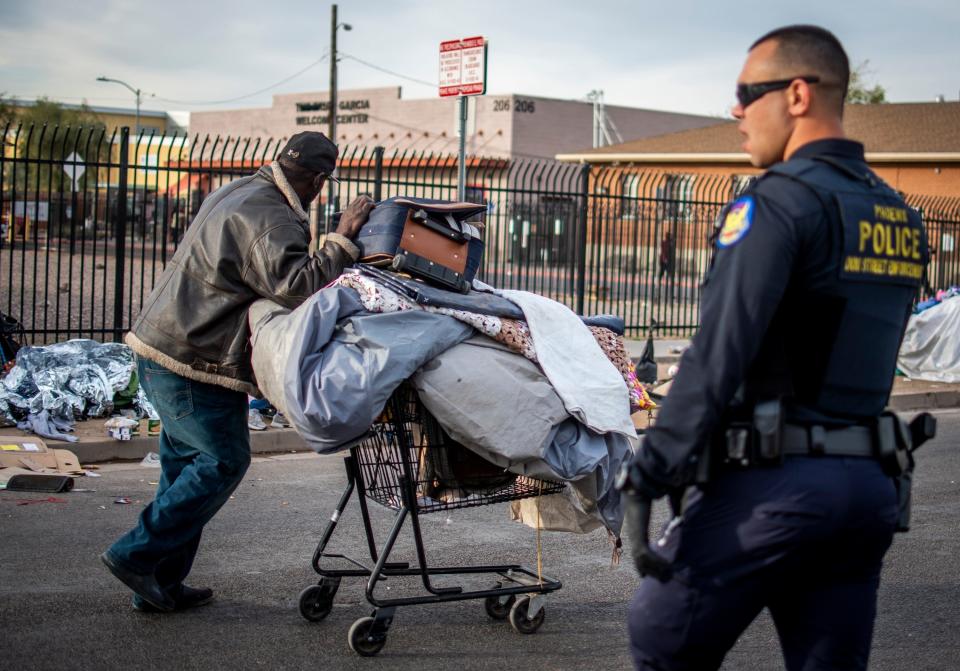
x: 148, y: 124
x: 499, y: 125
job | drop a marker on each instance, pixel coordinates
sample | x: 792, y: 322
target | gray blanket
x: 501, y: 405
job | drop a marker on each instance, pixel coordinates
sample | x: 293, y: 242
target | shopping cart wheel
x: 316, y: 601
x: 520, y: 620
x: 362, y: 641
x: 498, y: 610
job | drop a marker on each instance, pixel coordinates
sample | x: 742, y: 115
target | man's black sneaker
x: 190, y: 597
x: 143, y: 585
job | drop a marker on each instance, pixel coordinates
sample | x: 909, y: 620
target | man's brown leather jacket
x: 248, y: 241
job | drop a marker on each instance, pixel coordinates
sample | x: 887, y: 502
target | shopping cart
x: 403, y: 463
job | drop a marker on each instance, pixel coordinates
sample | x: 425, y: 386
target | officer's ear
x: 799, y: 98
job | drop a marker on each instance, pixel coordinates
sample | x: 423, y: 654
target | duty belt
x: 851, y: 441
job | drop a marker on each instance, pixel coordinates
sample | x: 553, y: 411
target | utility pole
x: 332, y: 111
x: 603, y: 125
x: 332, y: 117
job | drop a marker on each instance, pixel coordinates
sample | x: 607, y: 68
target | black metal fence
x: 89, y: 219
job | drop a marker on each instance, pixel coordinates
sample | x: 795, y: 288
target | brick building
x: 914, y: 147
x: 672, y: 184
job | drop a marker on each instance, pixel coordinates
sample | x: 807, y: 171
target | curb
x: 928, y: 400
x: 275, y: 441
x: 271, y: 441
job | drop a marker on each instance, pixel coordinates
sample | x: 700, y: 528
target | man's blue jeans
x: 204, y: 452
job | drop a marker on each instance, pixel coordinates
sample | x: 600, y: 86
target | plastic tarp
x: 73, y: 378
x: 330, y: 366
x: 931, y: 344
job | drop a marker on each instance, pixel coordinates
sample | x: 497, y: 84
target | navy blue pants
x: 805, y: 541
x: 204, y: 453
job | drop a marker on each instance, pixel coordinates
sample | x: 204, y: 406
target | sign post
x: 463, y: 72
x: 74, y: 167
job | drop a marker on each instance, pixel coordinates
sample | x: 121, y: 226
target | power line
x: 385, y: 70
x: 248, y: 95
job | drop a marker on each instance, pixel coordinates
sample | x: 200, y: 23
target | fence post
x: 120, y: 235
x: 582, y: 236
x: 377, y: 174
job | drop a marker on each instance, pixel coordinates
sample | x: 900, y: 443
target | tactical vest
x: 831, y: 352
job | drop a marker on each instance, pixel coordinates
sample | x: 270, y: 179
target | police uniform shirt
x: 771, y: 315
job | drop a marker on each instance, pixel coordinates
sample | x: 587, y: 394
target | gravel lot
x: 70, y: 295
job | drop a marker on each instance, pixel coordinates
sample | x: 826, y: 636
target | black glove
x: 648, y: 562
x: 639, y: 495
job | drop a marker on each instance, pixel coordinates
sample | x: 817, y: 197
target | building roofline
x: 504, y: 94
x: 678, y: 157
x: 17, y: 102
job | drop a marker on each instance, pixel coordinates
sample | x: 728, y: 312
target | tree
x: 858, y: 93
x: 49, y: 131
x: 7, y: 113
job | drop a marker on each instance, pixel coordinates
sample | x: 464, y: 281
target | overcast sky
x: 682, y: 55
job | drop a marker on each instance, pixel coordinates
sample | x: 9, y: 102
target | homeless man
x: 248, y: 241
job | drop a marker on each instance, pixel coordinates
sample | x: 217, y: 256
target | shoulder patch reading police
x: 737, y: 222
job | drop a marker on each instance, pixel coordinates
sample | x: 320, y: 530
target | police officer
x: 776, y: 407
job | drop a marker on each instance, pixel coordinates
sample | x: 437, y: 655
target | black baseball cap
x: 313, y: 151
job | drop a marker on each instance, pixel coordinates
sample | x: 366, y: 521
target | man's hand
x: 355, y: 216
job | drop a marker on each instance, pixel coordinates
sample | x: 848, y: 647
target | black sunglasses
x: 747, y: 94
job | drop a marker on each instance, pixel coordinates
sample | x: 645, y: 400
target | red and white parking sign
x: 463, y: 67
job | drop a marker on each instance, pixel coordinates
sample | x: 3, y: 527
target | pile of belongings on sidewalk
x: 931, y: 343
x: 515, y: 377
x: 51, y: 387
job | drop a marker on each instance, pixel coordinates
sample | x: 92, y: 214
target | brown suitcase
x: 433, y: 250
x: 427, y: 239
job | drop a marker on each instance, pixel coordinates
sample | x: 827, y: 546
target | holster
x: 893, y: 444
x: 755, y: 443
x: 896, y: 442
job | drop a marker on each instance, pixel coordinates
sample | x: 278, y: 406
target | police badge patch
x: 737, y: 222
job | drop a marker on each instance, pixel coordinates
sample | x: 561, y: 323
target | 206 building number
x: 519, y: 105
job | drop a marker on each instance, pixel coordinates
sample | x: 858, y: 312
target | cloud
x: 684, y: 59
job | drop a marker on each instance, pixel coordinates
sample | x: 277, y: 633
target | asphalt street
x: 60, y: 609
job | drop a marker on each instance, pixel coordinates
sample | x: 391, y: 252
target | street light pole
x: 134, y: 91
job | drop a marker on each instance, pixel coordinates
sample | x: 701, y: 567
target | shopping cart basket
x: 401, y: 464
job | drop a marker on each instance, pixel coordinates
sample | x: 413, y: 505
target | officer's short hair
x: 815, y: 51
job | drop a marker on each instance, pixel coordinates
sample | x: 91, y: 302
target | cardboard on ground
x: 32, y: 453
